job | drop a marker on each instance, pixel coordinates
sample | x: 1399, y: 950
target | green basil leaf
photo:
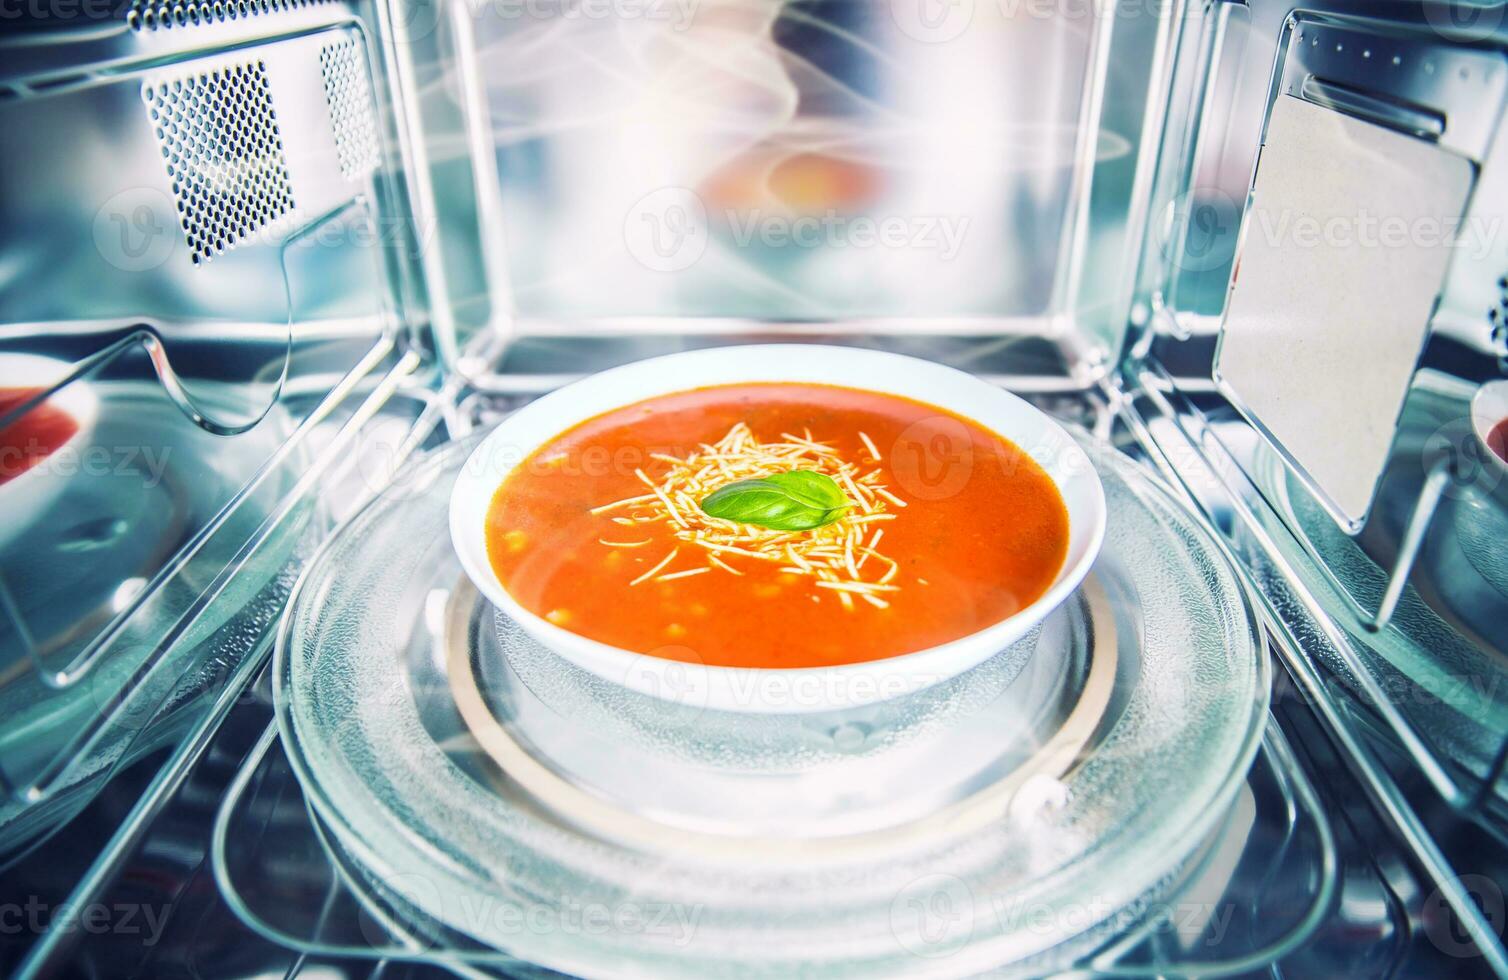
x: 797, y: 501
x: 812, y: 489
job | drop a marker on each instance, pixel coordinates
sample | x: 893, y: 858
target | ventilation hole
x: 223, y: 155
x: 152, y: 15
x: 1497, y: 318
x: 349, y: 96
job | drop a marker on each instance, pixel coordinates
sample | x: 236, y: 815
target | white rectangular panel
x: 1343, y: 253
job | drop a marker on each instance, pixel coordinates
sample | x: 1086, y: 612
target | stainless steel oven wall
x: 1319, y: 370
x: 205, y: 272
x: 689, y: 167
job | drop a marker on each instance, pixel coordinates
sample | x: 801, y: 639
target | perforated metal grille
x: 1497, y: 319
x: 224, y: 155
x: 350, y: 99
x: 151, y: 15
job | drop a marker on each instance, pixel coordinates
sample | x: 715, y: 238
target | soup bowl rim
x: 30, y: 493
x: 780, y: 690
x: 1489, y: 407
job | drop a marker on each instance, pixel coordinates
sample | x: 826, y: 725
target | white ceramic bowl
x: 1489, y: 406
x: 27, y: 496
x: 765, y: 690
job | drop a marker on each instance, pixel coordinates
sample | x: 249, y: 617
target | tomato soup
x: 32, y: 438
x: 846, y: 526
x: 1497, y: 440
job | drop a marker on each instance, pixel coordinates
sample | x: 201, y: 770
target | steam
x: 598, y: 107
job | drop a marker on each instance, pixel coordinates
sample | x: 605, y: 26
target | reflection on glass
x: 807, y: 160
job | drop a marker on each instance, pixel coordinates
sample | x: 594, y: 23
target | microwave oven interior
x: 273, y: 263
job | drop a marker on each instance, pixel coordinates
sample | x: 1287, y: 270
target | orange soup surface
x: 32, y: 438
x: 946, y: 528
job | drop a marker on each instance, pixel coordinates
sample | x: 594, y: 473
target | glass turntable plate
x: 1425, y: 657
x: 972, y: 825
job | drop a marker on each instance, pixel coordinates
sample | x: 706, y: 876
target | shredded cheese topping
x: 839, y: 559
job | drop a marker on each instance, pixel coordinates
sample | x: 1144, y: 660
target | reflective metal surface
x: 1372, y: 624
x: 510, y: 238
